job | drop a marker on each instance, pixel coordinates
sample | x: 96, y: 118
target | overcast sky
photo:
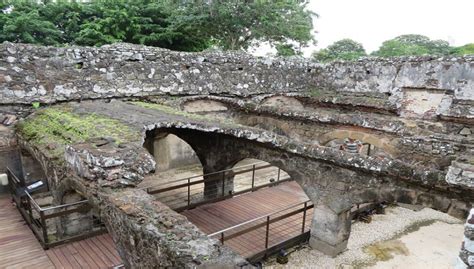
x: 371, y: 22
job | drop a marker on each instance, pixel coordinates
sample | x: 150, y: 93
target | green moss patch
x: 51, y: 129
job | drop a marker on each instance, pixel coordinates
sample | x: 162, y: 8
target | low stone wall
x: 31, y: 73
x: 151, y: 235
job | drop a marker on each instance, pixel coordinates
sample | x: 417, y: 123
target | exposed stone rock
x: 416, y: 112
x: 461, y: 172
x: 66, y: 74
x: 465, y: 131
x: 150, y: 235
x: 466, y: 256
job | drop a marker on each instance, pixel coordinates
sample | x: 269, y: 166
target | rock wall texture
x: 47, y: 74
x: 418, y: 112
x: 466, y: 256
x: 334, y: 179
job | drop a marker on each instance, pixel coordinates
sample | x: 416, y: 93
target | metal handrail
x: 52, y: 207
x: 258, y: 218
x: 201, y: 175
x: 64, y: 205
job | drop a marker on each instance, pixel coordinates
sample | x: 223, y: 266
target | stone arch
x: 204, y: 105
x: 383, y: 143
x: 218, y: 152
x: 281, y: 101
x: 333, y: 189
x: 170, y: 151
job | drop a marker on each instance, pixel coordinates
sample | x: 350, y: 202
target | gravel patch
x: 396, y: 222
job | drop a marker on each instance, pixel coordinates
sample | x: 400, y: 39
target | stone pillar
x: 330, y: 230
x: 466, y: 256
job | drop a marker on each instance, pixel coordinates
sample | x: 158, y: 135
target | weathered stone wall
x: 46, y: 74
x: 466, y: 256
x: 434, y: 98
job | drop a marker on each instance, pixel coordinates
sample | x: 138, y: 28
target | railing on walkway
x: 269, y: 233
x: 190, y: 192
x: 38, y: 217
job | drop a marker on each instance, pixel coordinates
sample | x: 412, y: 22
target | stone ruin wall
x: 436, y: 90
x: 413, y: 87
x: 47, y: 74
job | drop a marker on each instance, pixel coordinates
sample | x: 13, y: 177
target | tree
x: 179, y: 25
x: 467, y: 49
x: 155, y: 23
x: 173, y: 25
x: 285, y: 49
x: 236, y: 24
x: 110, y: 21
x: 67, y: 16
x: 406, y: 45
x: 24, y: 24
x: 345, y: 49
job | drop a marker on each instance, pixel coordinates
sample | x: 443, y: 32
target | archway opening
x: 266, y: 210
x: 174, y: 158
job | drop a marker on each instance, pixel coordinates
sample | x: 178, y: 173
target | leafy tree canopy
x: 235, y: 24
x: 467, y: 49
x: 345, y: 49
x: 406, y: 45
x: 179, y: 25
x: 286, y: 49
x: 26, y: 24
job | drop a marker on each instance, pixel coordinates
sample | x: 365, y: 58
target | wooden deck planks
x: 19, y: 248
x: 211, y: 218
x: 95, y: 252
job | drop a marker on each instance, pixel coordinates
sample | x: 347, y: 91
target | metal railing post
x: 28, y: 204
x: 189, y: 191
x: 44, y: 228
x: 253, y: 176
x: 267, y: 232
x: 304, y: 217
x: 222, y: 238
x: 278, y: 177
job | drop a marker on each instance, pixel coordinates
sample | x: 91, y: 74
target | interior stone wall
x: 31, y: 73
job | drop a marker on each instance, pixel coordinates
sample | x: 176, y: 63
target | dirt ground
x: 402, y: 238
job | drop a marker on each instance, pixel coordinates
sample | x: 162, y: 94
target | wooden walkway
x: 211, y: 218
x: 19, y: 248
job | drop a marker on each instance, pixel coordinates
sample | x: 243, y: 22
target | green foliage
x: 407, y: 45
x: 26, y: 24
x: 236, y: 24
x: 467, y: 49
x: 345, y: 49
x: 35, y: 105
x: 60, y: 127
x: 287, y: 50
x: 178, y: 25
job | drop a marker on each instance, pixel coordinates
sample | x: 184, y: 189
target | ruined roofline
x: 32, y: 73
x: 362, y: 59
x: 151, y: 118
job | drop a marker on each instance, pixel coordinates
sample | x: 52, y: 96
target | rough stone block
x: 331, y: 250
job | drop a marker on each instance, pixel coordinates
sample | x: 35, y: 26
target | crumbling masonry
x: 416, y: 114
